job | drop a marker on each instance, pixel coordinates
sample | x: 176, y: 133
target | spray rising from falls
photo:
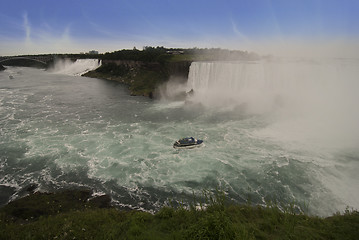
x: 258, y: 85
x: 305, y: 107
x: 77, y: 68
x: 318, y: 97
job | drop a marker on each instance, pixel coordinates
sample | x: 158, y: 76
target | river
x: 286, y: 132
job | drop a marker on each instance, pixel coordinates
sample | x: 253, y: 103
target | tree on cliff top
x: 148, y: 54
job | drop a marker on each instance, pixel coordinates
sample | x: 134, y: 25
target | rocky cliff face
x: 179, y: 69
x: 127, y: 63
x: 142, y: 77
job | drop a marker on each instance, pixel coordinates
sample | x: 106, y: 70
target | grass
x: 79, y: 217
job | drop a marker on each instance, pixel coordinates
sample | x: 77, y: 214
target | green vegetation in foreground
x: 71, y: 215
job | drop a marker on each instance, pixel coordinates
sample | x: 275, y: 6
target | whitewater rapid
x: 60, y: 131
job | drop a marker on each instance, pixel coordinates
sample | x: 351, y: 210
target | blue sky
x: 264, y: 26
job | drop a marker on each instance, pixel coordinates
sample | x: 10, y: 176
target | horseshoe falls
x: 284, y: 131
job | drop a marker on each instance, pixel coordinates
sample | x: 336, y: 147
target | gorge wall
x: 143, y: 78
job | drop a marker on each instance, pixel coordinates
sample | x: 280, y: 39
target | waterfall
x: 261, y: 85
x: 304, y: 98
x: 77, y: 68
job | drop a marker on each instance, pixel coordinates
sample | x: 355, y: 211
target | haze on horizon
x: 325, y: 28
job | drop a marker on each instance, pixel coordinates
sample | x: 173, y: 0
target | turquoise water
x: 60, y: 131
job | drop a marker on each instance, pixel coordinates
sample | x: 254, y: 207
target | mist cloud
x: 331, y: 47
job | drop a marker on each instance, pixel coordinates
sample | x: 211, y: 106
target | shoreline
x: 76, y: 214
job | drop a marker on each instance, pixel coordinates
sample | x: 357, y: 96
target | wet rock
x: 5, y: 193
x: 103, y: 201
x: 31, y: 188
x: 39, y: 204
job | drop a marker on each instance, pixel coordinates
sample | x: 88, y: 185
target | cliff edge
x: 142, y: 78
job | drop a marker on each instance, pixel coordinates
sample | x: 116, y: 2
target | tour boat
x: 188, y: 142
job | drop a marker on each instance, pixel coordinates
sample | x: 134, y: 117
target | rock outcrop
x: 142, y: 77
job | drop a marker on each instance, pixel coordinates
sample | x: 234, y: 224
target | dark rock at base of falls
x: 39, y: 204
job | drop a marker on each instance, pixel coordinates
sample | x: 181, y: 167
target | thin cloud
x: 102, y: 30
x: 66, y: 36
x: 27, y: 28
x: 241, y: 37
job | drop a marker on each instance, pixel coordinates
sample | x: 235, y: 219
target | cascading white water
x: 261, y: 85
x: 309, y: 107
x: 321, y: 94
x: 77, y: 68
